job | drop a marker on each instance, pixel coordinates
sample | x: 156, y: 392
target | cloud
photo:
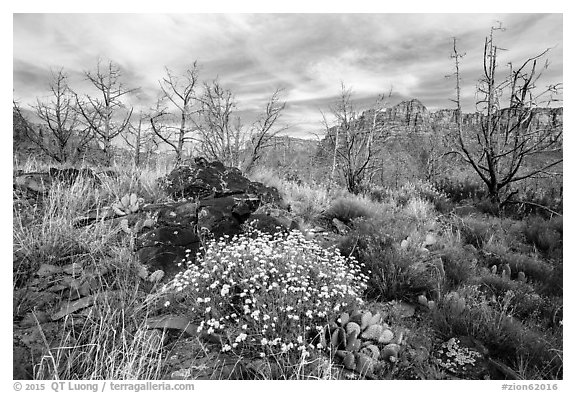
x: 308, y: 55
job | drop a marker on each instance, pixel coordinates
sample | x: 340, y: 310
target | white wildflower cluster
x: 271, y: 291
x: 455, y: 358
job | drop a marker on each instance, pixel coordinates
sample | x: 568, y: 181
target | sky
x: 306, y: 55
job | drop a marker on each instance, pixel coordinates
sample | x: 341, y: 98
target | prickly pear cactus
x: 521, y: 277
x: 423, y: 300
x: 506, y: 272
x: 128, y: 204
x: 456, y: 303
x: 360, y: 340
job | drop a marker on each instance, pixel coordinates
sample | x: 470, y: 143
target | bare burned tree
x: 101, y: 114
x: 220, y: 133
x: 224, y: 137
x: 264, y: 130
x: 500, y: 150
x: 356, y: 140
x: 141, y: 140
x: 61, y: 136
x: 178, y: 92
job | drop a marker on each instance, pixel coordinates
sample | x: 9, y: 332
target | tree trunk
x: 138, y: 143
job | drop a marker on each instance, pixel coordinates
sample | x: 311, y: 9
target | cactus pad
x: 364, y: 364
x: 371, y: 350
x: 350, y: 361
x: 366, y: 318
x: 373, y: 332
x: 353, y: 327
x: 344, y: 318
x: 386, y: 336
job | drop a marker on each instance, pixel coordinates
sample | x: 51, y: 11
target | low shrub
x: 486, y: 206
x: 554, y: 286
x: 459, y: 190
x: 347, y: 210
x: 533, y: 268
x: 307, y: 201
x: 476, y: 231
x: 529, y: 351
x: 545, y: 235
x: 419, y: 210
x: 394, y: 273
x: 459, y: 265
x: 267, y: 295
x: 411, y: 190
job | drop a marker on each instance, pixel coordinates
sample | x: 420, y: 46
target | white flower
x: 241, y: 337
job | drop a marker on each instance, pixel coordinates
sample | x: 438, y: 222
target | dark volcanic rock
x: 202, y: 179
x: 217, y: 201
x: 21, y: 362
x: 40, y: 182
x: 169, y: 236
x: 270, y: 224
x: 178, y: 214
x: 170, y: 259
x: 268, y: 195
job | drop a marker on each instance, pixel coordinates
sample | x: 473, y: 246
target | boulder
x: 175, y: 214
x: 169, y: 236
x: 270, y: 224
x: 39, y: 183
x: 214, y: 200
x: 201, y: 179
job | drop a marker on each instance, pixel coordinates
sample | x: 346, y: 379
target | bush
x: 411, y: 190
x: 393, y: 273
x: 268, y: 295
x: 554, y: 286
x: 461, y: 189
x: 487, y: 206
x: 476, y: 232
x: 418, y: 210
x: 534, y: 269
x: 459, y: 265
x: 348, y: 209
x: 546, y: 236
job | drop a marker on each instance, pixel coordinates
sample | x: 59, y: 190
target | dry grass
x: 113, y: 343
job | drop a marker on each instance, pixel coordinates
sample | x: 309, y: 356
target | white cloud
x: 307, y: 54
